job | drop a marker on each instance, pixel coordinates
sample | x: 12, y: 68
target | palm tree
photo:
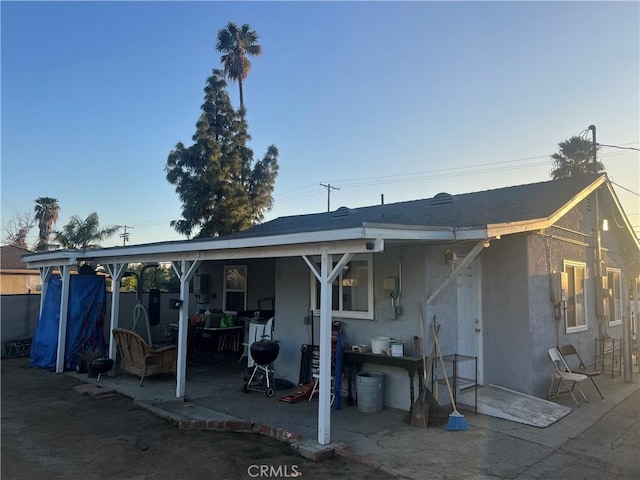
x: 574, y: 159
x: 236, y: 44
x: 46, y: 213
x: 83, y: 234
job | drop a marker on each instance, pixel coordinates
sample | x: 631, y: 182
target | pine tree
x: 221, y: 190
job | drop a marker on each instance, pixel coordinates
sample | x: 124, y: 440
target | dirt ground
x: 51, y: 431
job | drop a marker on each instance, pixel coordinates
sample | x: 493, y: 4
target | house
x: 15, y: 277
x: 506, y: 273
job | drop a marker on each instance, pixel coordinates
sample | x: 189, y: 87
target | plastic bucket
x: 370, y: 389
x: 379, y: 343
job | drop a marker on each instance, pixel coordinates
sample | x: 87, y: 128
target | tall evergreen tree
x: 46, y: 213
x: 221, y: 189
x: 574, y: 158
x: 237, y: 44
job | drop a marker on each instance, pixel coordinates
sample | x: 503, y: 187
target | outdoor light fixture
x: 605, y: 225
x: 450, y: 256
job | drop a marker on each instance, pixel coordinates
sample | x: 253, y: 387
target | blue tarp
x: 85, y: 321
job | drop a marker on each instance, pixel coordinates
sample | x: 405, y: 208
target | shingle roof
x: 10, y: 258
x: 488, y: 207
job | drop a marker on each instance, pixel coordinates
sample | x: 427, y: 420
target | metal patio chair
x: 562, y: 375
x: 569, y: 351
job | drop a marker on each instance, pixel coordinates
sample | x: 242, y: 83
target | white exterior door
x: 470, y: 320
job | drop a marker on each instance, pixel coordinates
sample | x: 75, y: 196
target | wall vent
x: 442, y: 198
x: 341, y: 212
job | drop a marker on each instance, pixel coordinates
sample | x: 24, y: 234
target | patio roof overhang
x: 367, y: 238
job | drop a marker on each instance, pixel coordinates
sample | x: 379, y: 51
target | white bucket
x: 379, y: 343
x: 397, y: 350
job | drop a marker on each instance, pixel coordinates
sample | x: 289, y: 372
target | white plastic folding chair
x: 562, y: 375
x: 316, y: 388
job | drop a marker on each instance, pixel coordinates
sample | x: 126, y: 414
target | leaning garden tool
x: 456, y: 419
x: 420, y: 408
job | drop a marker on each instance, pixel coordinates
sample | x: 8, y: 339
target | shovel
x: 420, y: 408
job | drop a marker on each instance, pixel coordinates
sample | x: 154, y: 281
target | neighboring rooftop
x: 10, y: 258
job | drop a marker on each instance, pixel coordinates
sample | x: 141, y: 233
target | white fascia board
x: 337, y: 247
x: 408, y: 232
x: 471, y: 233
x: 497, y: 230
x: 53, y: 262
x: 334, y: 242
x: 54, y: 256
x: 220, y: 243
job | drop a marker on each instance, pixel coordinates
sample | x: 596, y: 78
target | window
x: 352, y: 290
x: 576, y: 301
x: 235, y: 288
x: 615, y: 300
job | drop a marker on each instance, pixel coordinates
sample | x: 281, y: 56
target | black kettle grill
x: 264, y: 353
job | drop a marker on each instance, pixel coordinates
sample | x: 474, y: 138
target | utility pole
x: 124, y: 235
x: 329, y: 187
x: 595, y: 148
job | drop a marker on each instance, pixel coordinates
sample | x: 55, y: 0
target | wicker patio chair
x: 138, y: 358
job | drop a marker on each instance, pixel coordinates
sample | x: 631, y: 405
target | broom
x: 456, y: 419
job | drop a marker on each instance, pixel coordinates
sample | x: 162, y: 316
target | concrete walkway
x: 601, y: 439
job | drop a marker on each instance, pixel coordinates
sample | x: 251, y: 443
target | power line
x: 621, y: 148
x: 306, y: 191
x: 623, y: 188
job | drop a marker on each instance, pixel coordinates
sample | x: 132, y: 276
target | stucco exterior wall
x: 292, y: 305
x: 545, y: 256
x: 417, y: 283
x: 506, y: 342
x: 19, y: 282
x: 571, y: 239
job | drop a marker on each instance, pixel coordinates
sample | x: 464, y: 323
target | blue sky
x: 397, y: 99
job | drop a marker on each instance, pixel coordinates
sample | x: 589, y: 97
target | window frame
x: 362, y: 315
x: 226, y: 289
x: 568, y: 264
x: 616, y: 308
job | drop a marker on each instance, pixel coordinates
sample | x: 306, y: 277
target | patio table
x: 410, y: 364
x: 215, y: 332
